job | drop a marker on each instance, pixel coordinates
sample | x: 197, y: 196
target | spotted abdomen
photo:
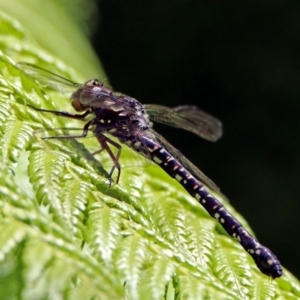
x: 265, y: 260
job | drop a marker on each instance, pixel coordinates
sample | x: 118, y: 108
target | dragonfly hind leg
x: 104, y: 142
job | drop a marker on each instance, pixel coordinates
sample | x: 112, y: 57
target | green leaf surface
x: 66, y: 234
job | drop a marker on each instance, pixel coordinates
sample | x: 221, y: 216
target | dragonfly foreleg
x: 63, y: 113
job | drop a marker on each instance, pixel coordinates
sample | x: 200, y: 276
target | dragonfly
x: 130, y: 122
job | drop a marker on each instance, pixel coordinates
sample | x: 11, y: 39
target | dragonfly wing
x: 190, y: 118
x: 47, y: 78
x: 185, y: 162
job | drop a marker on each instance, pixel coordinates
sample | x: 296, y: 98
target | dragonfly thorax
x: 125, y: 121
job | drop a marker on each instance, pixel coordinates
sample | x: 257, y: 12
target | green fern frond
x: 65, y: 233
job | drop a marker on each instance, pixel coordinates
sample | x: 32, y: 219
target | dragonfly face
x: 89, y: 93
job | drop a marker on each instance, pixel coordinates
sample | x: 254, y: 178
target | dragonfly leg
x: 63, y: 113
x: 104, y: 141
x: 98, y: 151
x: 84, y: 133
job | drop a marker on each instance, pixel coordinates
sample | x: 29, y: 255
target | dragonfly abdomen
x: 265, y: 260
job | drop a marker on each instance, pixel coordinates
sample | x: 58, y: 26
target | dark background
x: 239, y: 62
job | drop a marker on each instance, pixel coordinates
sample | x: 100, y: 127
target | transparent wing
x: 190, y: 118
x: 185, y: 162
x: 47, y: 78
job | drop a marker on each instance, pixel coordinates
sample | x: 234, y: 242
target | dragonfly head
x: 89, y: 95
